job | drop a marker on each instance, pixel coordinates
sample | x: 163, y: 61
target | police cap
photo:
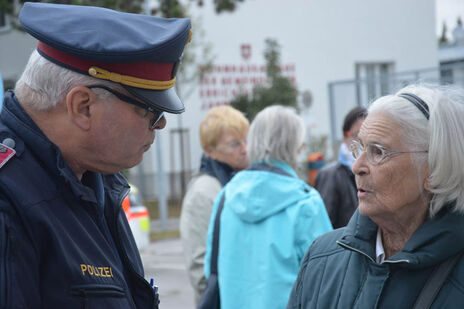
x: 140, y: 52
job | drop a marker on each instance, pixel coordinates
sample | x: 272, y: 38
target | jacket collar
x: 18, y: 121
x: 219, y: 170
x: 434, y: 241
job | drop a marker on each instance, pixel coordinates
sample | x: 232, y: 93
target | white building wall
x: 15, y: 49
x: 324, y: 39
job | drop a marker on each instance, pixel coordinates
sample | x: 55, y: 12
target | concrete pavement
x: 164, y: 261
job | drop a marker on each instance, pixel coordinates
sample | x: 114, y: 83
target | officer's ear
x: 78, y: 102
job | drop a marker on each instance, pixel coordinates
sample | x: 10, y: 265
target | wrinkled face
x: 121, y: 134
x: 395, y: 187
x: 231, y: 149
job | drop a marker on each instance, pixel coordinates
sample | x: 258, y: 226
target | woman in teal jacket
x: 409, y: 223
x: 269, y: 218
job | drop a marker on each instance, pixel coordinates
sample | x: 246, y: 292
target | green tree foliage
x: 279, y: 90
x: 226, y: 5
x: 171, y: 8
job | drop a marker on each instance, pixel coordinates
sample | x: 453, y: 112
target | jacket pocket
x: 4, y: 261
x: 90, y: 292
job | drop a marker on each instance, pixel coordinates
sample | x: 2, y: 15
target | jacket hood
x: 254, y: 195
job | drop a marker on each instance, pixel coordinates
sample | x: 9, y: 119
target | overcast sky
x: 448, y: 11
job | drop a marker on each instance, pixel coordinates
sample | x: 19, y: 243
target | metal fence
x: 343, y: 96
x: 346, y: 94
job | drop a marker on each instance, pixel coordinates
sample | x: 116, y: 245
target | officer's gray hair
x: 44, y: 84
x: 442, y: 135
x: 276, y: 133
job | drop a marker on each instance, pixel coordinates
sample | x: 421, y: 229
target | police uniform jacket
x: 64, y: 243
x: 340, y: 270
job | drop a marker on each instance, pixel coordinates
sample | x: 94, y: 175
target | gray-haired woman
x: 410, y: 177
x: 269, y: 217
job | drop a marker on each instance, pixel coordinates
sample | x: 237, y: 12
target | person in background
x: 223, y: 133
x: 88, y: 105
x: 410, y: 218
x: 269, y: 216
x: 335, y: 182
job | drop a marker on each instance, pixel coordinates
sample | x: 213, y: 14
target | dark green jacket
x: 339, y: 269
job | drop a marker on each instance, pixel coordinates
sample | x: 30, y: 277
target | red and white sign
x: 224, y: 82
x: 246, y: 51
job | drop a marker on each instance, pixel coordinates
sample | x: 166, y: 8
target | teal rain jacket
x: 339, y: 270
x: 268, y: 222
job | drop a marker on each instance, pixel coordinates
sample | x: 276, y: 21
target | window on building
x: 446, y: 76
x: 373, y: 80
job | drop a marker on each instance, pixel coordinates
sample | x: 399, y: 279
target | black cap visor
x: 164, y: 100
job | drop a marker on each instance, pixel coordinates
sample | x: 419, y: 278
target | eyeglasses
x: 157, y: 114
x: 376, y: 153
x: 233, y: 145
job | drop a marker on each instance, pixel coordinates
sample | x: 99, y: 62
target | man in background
x: 335, y: 182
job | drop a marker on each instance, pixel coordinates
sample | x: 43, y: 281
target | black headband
x: 421, y: 105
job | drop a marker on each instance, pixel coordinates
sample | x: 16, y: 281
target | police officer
x: 87, y: 105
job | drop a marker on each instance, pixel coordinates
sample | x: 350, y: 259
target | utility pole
x: 161, y: 177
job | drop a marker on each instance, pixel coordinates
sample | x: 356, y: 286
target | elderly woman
x: 269, y: 217
x: 223, y: 133
x: 408, y: 229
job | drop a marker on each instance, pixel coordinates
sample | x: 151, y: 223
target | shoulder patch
x: 6, y: 153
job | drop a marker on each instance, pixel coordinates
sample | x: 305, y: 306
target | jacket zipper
x: 397, y: 261
x: 356, y: 250
x: 86, y: 299
x: 386, y: 261
x: 124, y: 256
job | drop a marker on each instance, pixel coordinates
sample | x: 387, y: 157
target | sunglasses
x: 157, y: 114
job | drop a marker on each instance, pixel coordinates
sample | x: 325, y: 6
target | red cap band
x: 155, y: 71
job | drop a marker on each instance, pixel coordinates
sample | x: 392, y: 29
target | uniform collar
x: 27, y: 132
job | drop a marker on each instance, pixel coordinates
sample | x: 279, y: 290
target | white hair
x: 276, y: 133
x: 44, y: 84
x: 442, y: 135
